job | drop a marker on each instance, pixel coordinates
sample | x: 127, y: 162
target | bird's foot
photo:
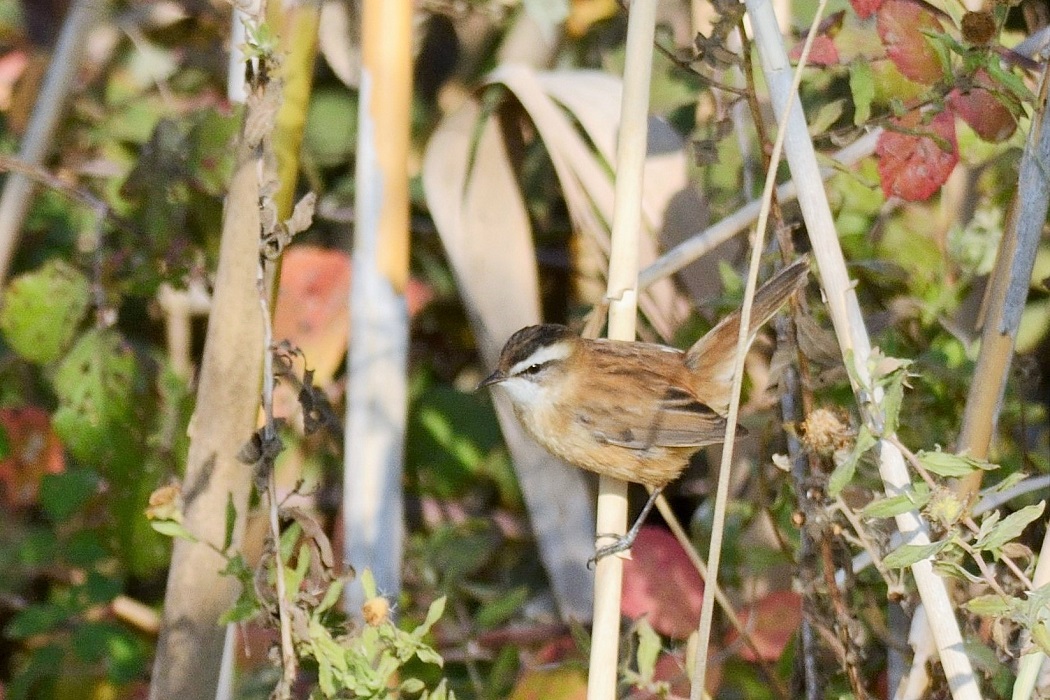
x: 620, y: 544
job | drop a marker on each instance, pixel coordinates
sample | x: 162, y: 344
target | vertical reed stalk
x: 623, y: 299
x: 377, y: 388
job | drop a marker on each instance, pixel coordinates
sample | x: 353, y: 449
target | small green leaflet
x: 231, y: 520
x: 844, y: 472
x: 172, y: 528
x: 908, y: 554
x: 862, y: 85
x: 1009, y: 529
x: 648, y: 650
x: 952, y: 465
x: 992, y: 604
x: 914, y: 499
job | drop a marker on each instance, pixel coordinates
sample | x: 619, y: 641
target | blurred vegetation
x: 93, y: 416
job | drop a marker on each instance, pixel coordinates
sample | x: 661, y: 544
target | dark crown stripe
x: 531, y: 338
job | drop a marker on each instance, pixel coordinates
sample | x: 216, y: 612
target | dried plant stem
x: 289, y: 663
x: 843, y: 620
x: 722, y: 491
x: 796, y: 388
x: 853, y: 338
x: 1007, y: 292
x: 623, y: 308
x: 190, y: 646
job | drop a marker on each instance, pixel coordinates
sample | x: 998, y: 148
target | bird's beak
x: 494, y: 378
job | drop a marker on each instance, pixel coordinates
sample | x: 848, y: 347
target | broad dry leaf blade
x: 475, y: 202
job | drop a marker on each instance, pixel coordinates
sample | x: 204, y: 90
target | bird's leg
x: 624, y: 543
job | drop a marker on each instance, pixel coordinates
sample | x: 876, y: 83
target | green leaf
x: 892, y: 400
x: 913, y: 499
x: 231, y: 520
x: 503, y: 608
x: 434, y: 613
x: 862, y: 85
x: 826, y: 116
x: 1010, y: 528
x: 951, y: 465
x: 844, y: 472
x: 42, y: 311
x: 331, y: 596
x: 37, y: 547
x: 85, y: 548
x: 991, y: 605
x: 34, y: 619
x: 62, y: 495
x: 172, y: 528
x: 412, y: 685
x: 245, y: 608
x: 97, y: 589
x: 95, y: 385
x: 908, y: 554
x: 368, y: 584
x: 648, y: 650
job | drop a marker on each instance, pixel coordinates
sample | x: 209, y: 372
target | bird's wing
x: 680, y: 420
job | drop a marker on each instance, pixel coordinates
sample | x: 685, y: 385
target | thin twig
x: 289, y: 663
x: 893, y: 583
x: 843, y: 619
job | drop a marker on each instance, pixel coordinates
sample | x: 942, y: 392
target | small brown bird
x: 634, y: 411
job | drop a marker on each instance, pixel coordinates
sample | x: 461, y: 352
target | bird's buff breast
x: 576, y: 443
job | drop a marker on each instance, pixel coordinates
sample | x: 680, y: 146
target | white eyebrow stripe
x: 548, y: 353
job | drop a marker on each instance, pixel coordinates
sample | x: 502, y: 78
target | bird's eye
x: 532, y: 369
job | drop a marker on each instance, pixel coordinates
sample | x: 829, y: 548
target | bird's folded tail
x: 711, y: 357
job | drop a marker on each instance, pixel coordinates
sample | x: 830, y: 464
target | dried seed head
x: 824, y: 432
x: 165, y: 503
x: 978, y: 28
x: 376, y: 610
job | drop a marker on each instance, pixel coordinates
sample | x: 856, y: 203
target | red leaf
x: 313, y: 306
x: 772, y: 622
x: 823, y: 53
x: 866, y: 8
x: 912, y: 166
x: 34, y: 451
x: 313, y: 309
x: 661, y: 583
x: 901, y: 25
x: 982, y: 109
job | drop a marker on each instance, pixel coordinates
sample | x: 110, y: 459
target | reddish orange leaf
x: 313, y: 306
x: 661, y: 583
x: 983, y: 110
x: 823, y: 53
x: 901, y: 26
x: 772, y: 622
x: 913, y: 166
x: 35, y: 451
x: 866, y: 8
x: 313, y: 309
